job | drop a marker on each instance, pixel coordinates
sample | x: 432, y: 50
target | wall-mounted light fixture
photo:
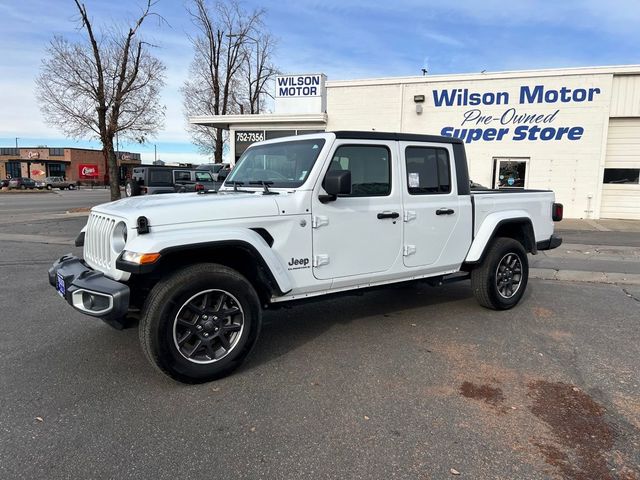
x: 419, y: 100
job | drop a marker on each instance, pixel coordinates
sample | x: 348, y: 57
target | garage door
x: 621, y: 188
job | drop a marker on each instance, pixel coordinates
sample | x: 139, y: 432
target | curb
x: 585, y: 276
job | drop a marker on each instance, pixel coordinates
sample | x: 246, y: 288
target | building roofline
x: 224, y: 121
x: 65, y: 148
x: 549, y: 72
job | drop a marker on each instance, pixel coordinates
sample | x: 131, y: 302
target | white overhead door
x: 621, y: 188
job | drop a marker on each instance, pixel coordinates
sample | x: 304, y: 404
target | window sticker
x: 414, y: 180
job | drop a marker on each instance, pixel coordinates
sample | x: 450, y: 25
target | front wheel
x: 501, y: 279
x: 201, y: 323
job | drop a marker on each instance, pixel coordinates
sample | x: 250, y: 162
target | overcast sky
x: 342, y: 38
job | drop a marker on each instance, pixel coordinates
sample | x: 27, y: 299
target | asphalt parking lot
x: 405, y: 382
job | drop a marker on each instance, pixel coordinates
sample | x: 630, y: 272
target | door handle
x: 383, y: 215
x: 445, y: 211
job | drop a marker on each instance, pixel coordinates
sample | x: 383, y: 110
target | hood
x: 173, y: 208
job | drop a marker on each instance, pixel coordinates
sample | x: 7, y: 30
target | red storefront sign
x: 88, y: 170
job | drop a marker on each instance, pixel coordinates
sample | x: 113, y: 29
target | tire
x: 49, y: 187
x: 180, y: 312
x: 23, y: 187
x: 131, y: 188
x: 501, y: 279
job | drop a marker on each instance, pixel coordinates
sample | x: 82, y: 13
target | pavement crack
x: 630, y: 295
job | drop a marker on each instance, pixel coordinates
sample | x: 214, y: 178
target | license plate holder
x: 60, y: 286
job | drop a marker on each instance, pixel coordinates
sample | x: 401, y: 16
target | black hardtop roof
x: 403, y: 137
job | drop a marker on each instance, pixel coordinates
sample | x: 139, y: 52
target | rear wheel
x: 501, y: 279
x: 201, y: 323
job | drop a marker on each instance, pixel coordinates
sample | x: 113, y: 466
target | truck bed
x: 534, y: 204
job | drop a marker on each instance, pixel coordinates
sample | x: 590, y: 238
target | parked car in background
x: 4, y: 183
x: 40, y: 184
x: 219, y: 171
x: 22, y: 183
x: 197, y: 181
x: 58, y: 182
x: 152, y: 180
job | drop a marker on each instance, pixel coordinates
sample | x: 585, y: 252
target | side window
x: 204, y: 177
x: 181, y: 176
x: 159, y: 177
x: 428, y: 170
x: 370, y: 167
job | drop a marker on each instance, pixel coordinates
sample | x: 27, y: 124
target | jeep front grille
x: 97, y: 240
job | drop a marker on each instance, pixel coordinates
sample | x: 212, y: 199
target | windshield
x: 285, y: 164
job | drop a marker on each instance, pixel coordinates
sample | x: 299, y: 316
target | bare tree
x: 259, y: 70
x: 107, y: 84
x: 220, y: 80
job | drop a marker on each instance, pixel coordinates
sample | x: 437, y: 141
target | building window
x: 428, y: 170
x: 370, y: 168
x: 14, y: 169
x: 621, y: 175
x: 9, y: 151
x: 56, y: 170
x: 56, y: 152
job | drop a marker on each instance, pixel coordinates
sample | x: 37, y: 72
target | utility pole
x: 155, y: 154
x: 17, y: 138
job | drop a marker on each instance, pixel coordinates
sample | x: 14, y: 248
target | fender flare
x: 169, y: 242
x: 490, y: 226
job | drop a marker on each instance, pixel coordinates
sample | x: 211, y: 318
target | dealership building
x: 75, y: 164
x: 575, y: 131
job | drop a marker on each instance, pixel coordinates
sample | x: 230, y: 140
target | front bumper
x: 553, y: 242
x: 89, y: 291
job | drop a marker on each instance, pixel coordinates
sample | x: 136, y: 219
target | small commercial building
x: 75, y: 164
x: 575, y: 131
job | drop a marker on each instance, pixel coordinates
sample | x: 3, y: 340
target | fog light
x: 92, y: 303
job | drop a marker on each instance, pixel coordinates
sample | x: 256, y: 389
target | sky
x: 345, y: 39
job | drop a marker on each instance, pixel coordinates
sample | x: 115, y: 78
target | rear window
x: 204, y: 177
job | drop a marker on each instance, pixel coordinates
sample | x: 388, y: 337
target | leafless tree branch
x: 109, y: 83
x: 221, y: 82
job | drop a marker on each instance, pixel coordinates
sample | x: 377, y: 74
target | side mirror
x: 336, y: 182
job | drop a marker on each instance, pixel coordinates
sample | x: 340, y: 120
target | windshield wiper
x: 235, y: 184
x: 265, y: 184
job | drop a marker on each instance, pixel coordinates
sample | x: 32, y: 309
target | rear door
x: 359, y: 233
x: 437, y: 221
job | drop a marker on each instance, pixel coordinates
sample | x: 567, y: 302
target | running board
x: 444, y: 279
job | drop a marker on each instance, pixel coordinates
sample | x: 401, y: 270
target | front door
x: 437, y: 221
x: 510, y: 172
x: 359, y: 233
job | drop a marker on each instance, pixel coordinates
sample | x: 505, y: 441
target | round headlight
x: 119, y: 237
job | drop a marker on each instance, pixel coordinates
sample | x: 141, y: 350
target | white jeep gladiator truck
x: 297, y: 218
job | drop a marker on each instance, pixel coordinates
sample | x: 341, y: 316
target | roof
x: 484, y: 75
x: 403, y: 137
